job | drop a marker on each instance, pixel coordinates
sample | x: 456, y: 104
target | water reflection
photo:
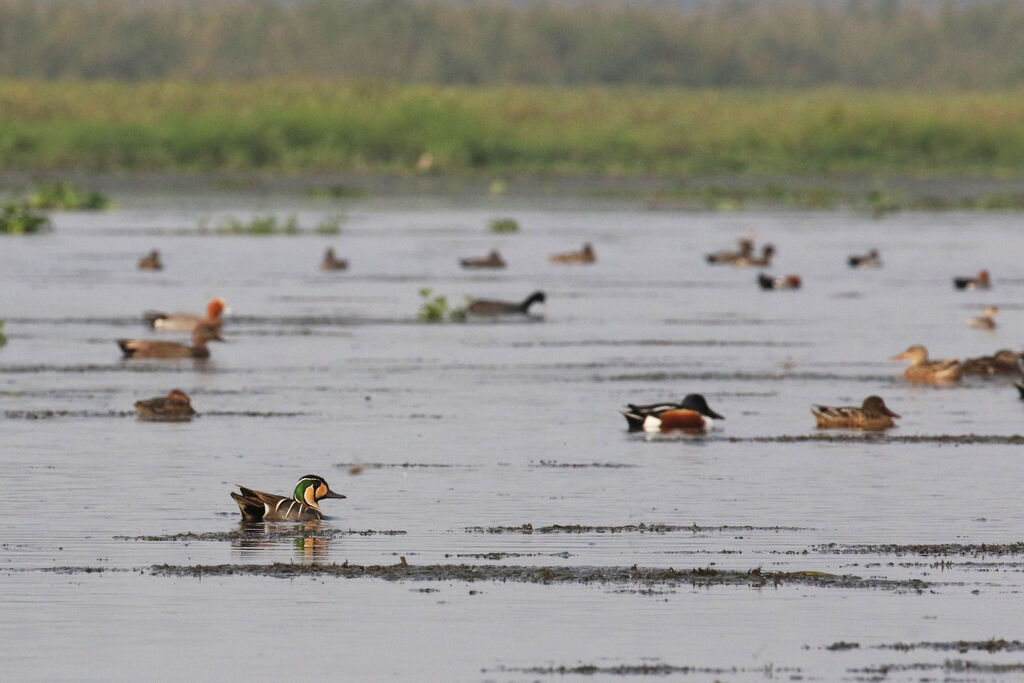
x: 257, y: 540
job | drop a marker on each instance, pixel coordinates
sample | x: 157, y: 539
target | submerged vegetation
x: 504, y: 225
x: 312, y: 127
x: 67, y: 197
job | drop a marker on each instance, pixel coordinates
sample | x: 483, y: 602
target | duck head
x: 216, y: 307
x: 874, y: 405
x: 311, y: 489
x: 916, y: 353
x: 697, y: 403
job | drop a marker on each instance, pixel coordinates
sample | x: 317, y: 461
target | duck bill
x: 902, y: 356
x: 716, y: 416
x: 886, y: 411
x: 332, y: 494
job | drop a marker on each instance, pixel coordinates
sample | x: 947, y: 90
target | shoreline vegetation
x: 309, y: 127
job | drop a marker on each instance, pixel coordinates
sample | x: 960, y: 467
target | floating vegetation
x: 626, y: 528
x: 271, y: 225
x: 66, y: 197
x: 337, y: 191
x: 3, y: 339
x: 435, y: 308
x: 20, y: 219
x: 504, y: 225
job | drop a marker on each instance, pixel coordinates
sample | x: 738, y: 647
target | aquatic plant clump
x: 20, y: 219
x: 66, y: 197
x: 434, y: 309
x: 270, y: 225
x: 504, y: 225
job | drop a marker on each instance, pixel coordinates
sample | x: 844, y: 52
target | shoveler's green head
x: 311, y: 489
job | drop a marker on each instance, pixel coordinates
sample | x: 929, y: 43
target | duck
x: 637, y: 415
x: 746, y: 250
x: 332, y: 262
x: 188, y: 321
x: 151, y: 261
x: 927, y: 371
x: 584, y: 255
x: 303, y: 506
x: 873, y: 414
x: 492, y: 260
x: 787, y: 282
x: 1003, y: 362
x: 767, y: 251
x: 872, y: 259
x: 174, y: 406
x: 1020, y: 387
x: 987, y: 319
x: 492, y: 307
x: 982, y: 281
x: 153, y: 348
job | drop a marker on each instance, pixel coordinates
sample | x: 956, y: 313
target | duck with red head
x: 188, y: 321
x: 982, y: 281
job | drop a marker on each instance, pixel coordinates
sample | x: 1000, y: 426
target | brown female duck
x: 987, y: 319
x: 1003, y: 362
x: 174, y: 406
x: 332, y: 262
x: 871, y: 415
x: 746, y: 250
x: 584, y: 255
x: 151, y: 261
x: 188, y: 321
x: 767, y: 251
x: 153, y: 348
x: 492, y: 260
x: 926, y: 371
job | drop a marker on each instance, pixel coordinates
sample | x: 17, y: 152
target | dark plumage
x: 172, y: 407
x: 492, y: 307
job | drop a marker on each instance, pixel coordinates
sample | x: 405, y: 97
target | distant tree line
x: 784, y: 43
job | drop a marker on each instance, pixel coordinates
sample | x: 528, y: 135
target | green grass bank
x: 299, y: 127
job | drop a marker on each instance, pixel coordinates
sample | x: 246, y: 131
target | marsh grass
x: 435, y: 307
x: 20, y: 219
x: 504, y: 225
x: 66, y: 196
x: 269, y: 225
x: 311, y: 126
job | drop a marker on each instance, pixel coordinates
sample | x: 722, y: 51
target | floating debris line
x: 627, y: 528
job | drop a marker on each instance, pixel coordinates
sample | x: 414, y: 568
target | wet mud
x: 768, y: 671
x: 626, y: 528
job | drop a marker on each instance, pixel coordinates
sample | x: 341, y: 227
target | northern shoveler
x: 303, y: 506
x: 987, y: 319
x: 980, y: 282
x: 151, y: 261
x: 927, y: 371
x: 492, y: 260
x: 153, y: 348
x: 174, y: 406
x: 692, y: 415
x: 188, y: 321
x: 746, y: 250
x: 332, y: 262
x: 872, y: 414
x: 584, y: 255
x: 492, y: 307
x: 767, y: 251
x: 872, y: 259
x: 787, y: 282
x: 1003, y: 362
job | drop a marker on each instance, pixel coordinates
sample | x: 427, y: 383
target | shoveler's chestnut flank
x: 746, y: 250
x: 492, y: 260
x: 636, y: 415
x: 987, y: 319
x: 154, y: 348
x: 980, y: 282
x: 873, y: 414
x: 767, y: 251
x: 174, y: 406
x: 187, y: 321
x: 691, y: 416
x: 1003, y: 362
x: 787, y: 282
x: 303, y: 506
x: 332, y: 262
x: 151, y: 261
x: 492, y: 307
x: 927, y: 371
x: 584, y: 255
x: 872, y: 259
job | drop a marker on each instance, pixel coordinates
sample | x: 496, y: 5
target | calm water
x: 461, y: 426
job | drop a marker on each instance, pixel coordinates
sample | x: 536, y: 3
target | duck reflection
x: 267, y: 540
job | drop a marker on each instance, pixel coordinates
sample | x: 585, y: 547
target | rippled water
x: 462, y: 427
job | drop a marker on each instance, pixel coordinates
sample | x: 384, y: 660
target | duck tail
x: 635, y: 421
x: 126, y: 347
x: 152, y: 316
